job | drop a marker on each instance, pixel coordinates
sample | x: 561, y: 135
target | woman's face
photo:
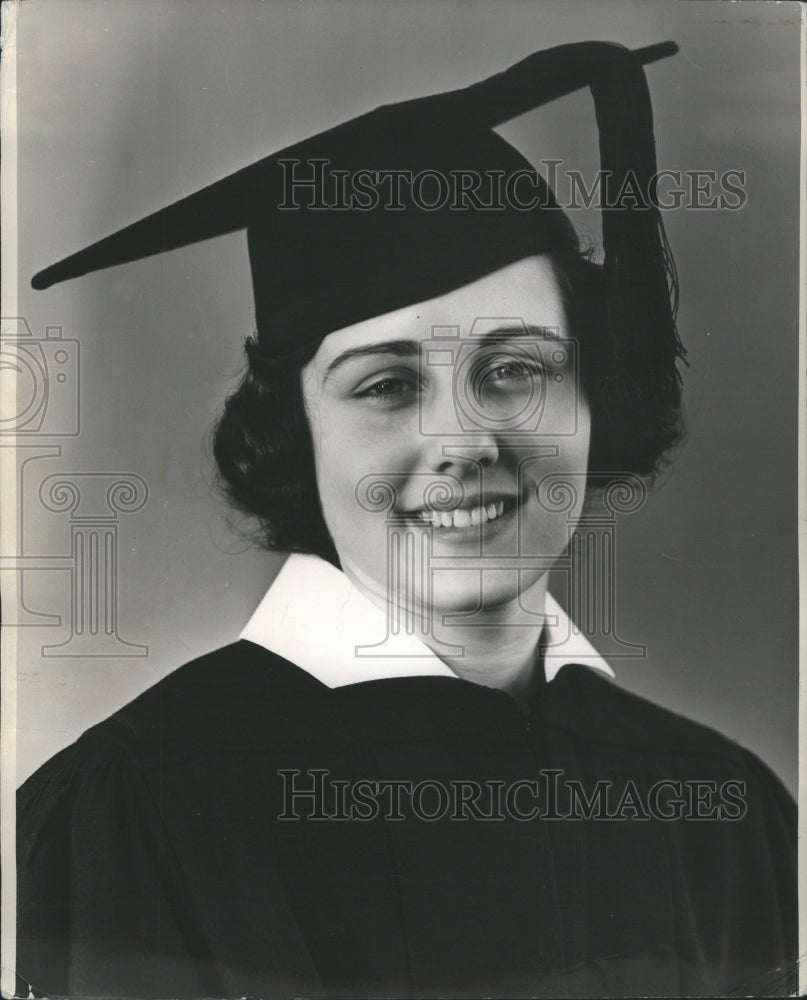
x: 434, y: 429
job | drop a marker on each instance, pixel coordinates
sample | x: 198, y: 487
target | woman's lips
x: 463, y: 517
x: 469, y: 521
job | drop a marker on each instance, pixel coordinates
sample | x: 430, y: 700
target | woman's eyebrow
x: 400, y: 348
x: 522, y: 330
x: 411, y: 348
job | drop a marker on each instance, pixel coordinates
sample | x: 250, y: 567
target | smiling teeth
x: 461, y: 518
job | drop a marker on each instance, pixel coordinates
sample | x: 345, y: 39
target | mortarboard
x: 414, y: 199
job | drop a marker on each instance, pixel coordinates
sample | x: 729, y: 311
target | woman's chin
x: 489, y: 593
x: 467, y: 591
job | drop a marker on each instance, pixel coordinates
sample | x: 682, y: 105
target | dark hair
x: 265, y: 457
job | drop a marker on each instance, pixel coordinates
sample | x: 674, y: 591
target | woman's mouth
x: 465, y: 516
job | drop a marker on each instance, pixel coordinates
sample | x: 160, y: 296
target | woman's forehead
x: 525, y: 292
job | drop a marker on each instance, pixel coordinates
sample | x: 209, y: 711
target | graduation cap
x: 414, y: 199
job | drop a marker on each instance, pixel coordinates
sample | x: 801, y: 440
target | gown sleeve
x: 100, y: 896
x: 766, y: 921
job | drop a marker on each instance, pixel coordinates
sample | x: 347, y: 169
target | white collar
x: 313, y: 616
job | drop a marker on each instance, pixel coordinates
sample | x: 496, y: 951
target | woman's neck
x: 497, y: 648
x: 500, y: 649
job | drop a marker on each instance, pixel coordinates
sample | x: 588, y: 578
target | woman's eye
x: 510, y: 370
x: 387, y: 387
x: 390, y: 387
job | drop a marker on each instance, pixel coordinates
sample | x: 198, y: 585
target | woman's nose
x: 454, y: 440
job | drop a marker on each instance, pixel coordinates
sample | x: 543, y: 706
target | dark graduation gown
x: 153, y: 861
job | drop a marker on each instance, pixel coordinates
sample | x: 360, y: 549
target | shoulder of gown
x: 606, y: 722
x: 105, y: 898
x: 584, y: 702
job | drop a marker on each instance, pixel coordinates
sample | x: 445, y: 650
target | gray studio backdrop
x: 126, y: 106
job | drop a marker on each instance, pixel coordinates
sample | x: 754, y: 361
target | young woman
x: 410, y: 775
